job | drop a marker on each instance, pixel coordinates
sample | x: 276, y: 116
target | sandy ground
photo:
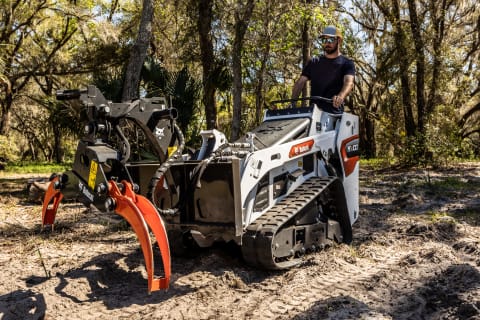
x: 415, y: 255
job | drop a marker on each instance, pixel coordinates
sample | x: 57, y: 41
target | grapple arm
x: 141, y: 215
x: 52, y: 199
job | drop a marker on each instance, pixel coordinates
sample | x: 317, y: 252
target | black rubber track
x: 257, y: 241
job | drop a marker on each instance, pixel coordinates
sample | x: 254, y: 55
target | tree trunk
x: 439, y: 29
x: 259, y: 93
x: 204, y: 22
x: 138, y: 53
x: 306, y: 44
x: 5, y: 120
x: 420, y: 79
x: 420, y: 63
x: 364, y: 96
x: 367, y: 136
x: 403, y: 60
x: 58, y: 152
x: 265, y: 52
x: 306, y: 49
x: 369, y: 124
x: 242, y: 17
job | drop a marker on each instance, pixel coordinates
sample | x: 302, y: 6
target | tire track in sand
x: 377, y: 284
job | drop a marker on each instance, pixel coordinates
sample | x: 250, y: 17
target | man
x: 331, y: 75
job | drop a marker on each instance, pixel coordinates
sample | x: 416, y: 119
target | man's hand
x: 337, y: 101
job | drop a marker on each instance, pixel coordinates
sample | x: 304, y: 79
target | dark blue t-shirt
x: 326, y: 78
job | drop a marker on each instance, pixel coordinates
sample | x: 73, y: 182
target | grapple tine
x: 50, y: 203
x: 141, y: 215
x: 155, y: 224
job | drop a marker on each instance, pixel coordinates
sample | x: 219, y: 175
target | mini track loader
x: 286, y: 188
x: 122, y: 148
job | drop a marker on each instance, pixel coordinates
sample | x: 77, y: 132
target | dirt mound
x: 415, y: 255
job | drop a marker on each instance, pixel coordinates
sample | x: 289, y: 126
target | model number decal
x: 352, y: 148
x: 300, y: 148
x: 350, y: 151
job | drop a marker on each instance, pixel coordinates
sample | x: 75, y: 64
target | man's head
x: 331, y: 38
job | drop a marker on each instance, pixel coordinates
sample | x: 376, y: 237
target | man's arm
x: 298, y: 86
x: 348, y: 81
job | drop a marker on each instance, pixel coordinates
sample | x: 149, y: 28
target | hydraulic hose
x: 200, y: 168
x: 126, y: 145
x: 163, y: 169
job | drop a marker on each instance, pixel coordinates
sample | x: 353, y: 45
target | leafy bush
x: 8, y: 151
x: 444, y: 137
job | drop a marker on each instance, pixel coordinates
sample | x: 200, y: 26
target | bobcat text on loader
x: 288, y: 187
x: 122, y: 148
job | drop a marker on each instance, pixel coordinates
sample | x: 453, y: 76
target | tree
x: 469, y: 115
x: 204, y: 23
x: 403, y: 59
x: 263, y: 56
x: 49, y: 46
x: 243, y: 13
x: 30, y: 46
x: 417, y: 37
x: 138, y: 53
x: 306, y: 43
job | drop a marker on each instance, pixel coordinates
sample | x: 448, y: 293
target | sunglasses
x: 328, y: 40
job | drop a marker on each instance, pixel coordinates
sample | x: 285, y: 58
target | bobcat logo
x: 159, y: 133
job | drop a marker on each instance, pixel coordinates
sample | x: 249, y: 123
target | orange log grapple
x: 123, y: 146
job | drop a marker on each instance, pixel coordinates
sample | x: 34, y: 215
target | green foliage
x: 69, y: 45
x: 221, y: 76
x: 8, y: 149
x: 375, y: 163
x: 454, y: 184
x: 444, y: 136
x: 37, y: 167
x: 413, y: 151
x: 182, y: 88
x: 441, y: 144
x: 441, y: 217
x: 469, y: 216
x: 110, y: 83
